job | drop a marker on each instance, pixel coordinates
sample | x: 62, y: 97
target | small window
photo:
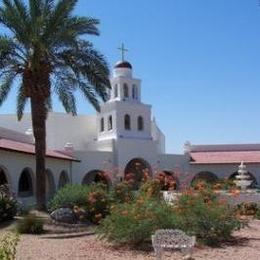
x: 127, y: 122
x: 110, y: 123
x: 140, y: 123
x: 116, y: 91
x: 134, y: 92
x: 126, y: 93
x: 102, y: 125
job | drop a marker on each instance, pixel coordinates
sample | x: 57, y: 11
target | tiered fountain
x: 243, y: 179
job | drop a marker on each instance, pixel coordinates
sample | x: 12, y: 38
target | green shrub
x: 134, y: 223
x: 30, y: 224
x: 8, y: 204
x: 122, y: 192
x: 69, y: 196
x: 203, y: 215
x: 89, y: 202
x: 8, y: 243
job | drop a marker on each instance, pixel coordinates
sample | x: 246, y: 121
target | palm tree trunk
x: 38, y: 111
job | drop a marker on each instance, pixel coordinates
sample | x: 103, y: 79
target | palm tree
x: 42, y: 53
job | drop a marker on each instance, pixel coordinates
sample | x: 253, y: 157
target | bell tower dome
x: 124, y: 86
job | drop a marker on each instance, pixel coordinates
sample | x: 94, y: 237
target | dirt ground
x: 85, y: 245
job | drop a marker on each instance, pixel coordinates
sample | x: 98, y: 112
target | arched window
x: 102, y: 126
x: 134, y: 92
x: 126, y: 93
x: 25, y: 188
x: 49, y: 185
x: 64, y: 179
x: 3, y: 179
x: 127, y: 122
x: 110, y: 123
x: 116, y: 91
x: 140, y: 123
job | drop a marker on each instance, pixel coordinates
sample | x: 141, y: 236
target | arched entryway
x: 64, y: 179
x: 25, y: 184
x: 96, y: 176
x: 252, y: 177
x: 136, y: 171
x: 50, y: 185
x: 3, y: 177
x: 204, y: 176
x: 168, y: 180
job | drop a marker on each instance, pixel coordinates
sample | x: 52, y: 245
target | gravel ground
x: 87, y: 246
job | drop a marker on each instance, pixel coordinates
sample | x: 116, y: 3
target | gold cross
x: 123, y: 50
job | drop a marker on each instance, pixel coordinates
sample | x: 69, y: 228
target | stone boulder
x: 64, y: 215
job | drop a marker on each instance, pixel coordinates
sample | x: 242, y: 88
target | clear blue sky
x: 199, y: 61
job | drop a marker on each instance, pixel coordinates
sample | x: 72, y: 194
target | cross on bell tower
x: 123, y: 50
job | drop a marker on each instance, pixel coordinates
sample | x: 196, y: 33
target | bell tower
x: 124, y: 115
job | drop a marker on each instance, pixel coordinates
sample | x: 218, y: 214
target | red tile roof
x: 10, y: 145
x: 221, y: 157
x: 225, y: 147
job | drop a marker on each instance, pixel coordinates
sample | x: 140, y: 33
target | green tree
x: 43, y: 52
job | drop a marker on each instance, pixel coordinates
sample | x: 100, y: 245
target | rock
x: 64, y: 215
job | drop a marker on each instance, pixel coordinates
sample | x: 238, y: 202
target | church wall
x: 90, y: 161
x: 127, y: 150
x: 224, y: 170
x: 134, y: 111
x: 61, y: 128
x: 173, y: 162
x: 108, y: 109
x: 100, y: 146
x: 14, y: 163
x: 78, y: 130
x: 158, y: 136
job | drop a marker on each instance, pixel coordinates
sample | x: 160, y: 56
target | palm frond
x: 35, y: 9
x: 22, y: 11
x: 58, y: 17
x: 20, y: 103
x: 67, y: 99
x: 5, y: 86
x: 10, y: 17
x: 10, y: 52
x: 90, y: 64
x: 90, y: 95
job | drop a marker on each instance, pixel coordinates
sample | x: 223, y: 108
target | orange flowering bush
x: 151, y: 189
x: 167, y: 181
x: 122, y: 192
x: 134, y: 223
x: 203, y: 215
x: 98, y: 205
x: 247, y: 208
x: 197, y: 212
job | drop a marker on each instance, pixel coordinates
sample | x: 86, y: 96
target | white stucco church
x: 122, y: 138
